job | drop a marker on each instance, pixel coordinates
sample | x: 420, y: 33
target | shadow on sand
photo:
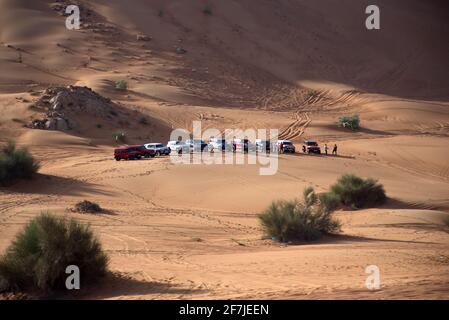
x: 342, y: 238
x: 345, y: 239
x: 322, y: 155
x: 380, y: 133
x: 393, y: 203
x: 54, y: 185
x: 115, y: 285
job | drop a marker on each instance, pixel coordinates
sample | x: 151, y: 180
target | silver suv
x: 159, y: 149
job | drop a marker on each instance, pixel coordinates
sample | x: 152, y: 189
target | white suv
x: 218, y: 144
x: 178, y: 146
x: 196, y: 145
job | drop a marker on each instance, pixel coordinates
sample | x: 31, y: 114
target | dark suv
x: 286, y: 146
x: 311, y: 146
x: 133, y: 153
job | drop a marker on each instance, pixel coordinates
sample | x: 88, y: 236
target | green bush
x: 88, y: 207
x: 351, y: 122
x: 329, y: 200
x: 311, y: 94
x: 38, y: 257
x: 119, y: 137
x: 356, y: 192
x: 296, y: 220
x: 16, y: 164
x: 121, y: 85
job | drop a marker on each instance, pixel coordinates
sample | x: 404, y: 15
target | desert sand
x: 191, y: 231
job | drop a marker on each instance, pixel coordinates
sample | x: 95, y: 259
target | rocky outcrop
x: 180, y: 50
x: 63, y: 105
x: 143, y: 37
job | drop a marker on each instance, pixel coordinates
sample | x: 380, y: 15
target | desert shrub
x: 312, y: 94
x: 329, y: 200
x: 121, y: 85
x: 351, y: 122
x: 207, y: 10
x: 296, y: 220
x: 38, y: 257
x: 356, y: 192
x: 119, y: 137
x: 16, y: 164
x: 88, y: 207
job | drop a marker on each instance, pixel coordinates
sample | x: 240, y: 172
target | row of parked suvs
x: 151, y: 150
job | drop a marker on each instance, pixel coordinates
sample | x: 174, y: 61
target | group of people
x: 334, y: 150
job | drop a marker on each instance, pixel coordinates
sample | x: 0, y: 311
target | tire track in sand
x: 297, y: 127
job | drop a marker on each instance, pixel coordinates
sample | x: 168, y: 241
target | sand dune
x: 191, y: 231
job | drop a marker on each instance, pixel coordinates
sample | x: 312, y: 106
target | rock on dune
x: 62, y: 105
x: 143, y: 37
x: 57, y: 124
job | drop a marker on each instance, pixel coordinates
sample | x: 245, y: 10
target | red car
x: 133, y: 153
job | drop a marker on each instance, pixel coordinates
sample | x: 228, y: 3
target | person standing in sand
x: 325, y: 148
x: 334, y: 151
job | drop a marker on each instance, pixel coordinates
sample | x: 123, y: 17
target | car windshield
x: 287, y: 143
x: 311, y: 143
x: 159, y: 146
